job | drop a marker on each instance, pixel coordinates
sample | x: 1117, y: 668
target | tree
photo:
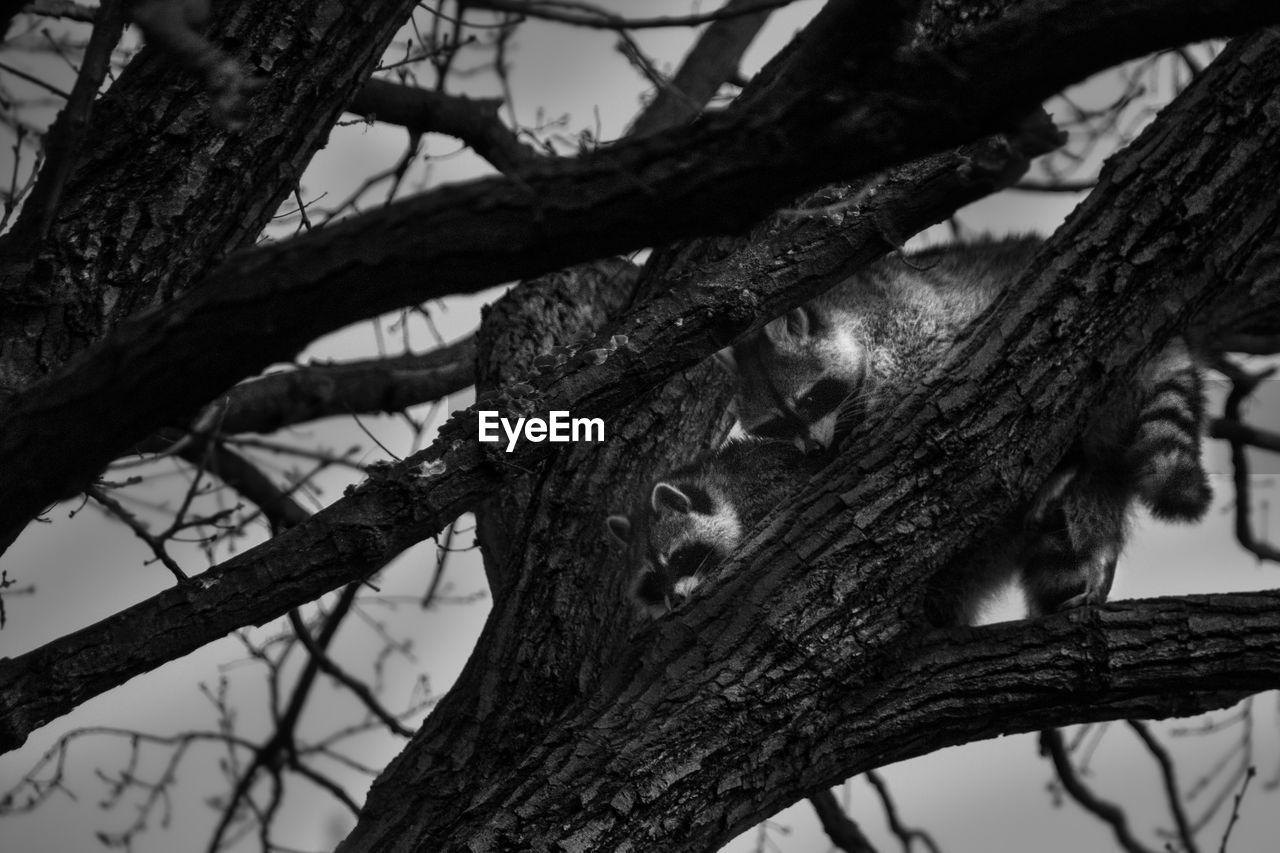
x: 131, y: 262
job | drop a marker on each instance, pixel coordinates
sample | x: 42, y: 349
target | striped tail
x: 1165, y: 453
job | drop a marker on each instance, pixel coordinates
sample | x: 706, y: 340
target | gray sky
x: 982, y: 797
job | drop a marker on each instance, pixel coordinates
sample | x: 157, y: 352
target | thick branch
x: 359, y: 533
x: 419, y: 110
x: 711, y: 62
x: 808, y: 719
x: 716, y: 175
x: 315, y: 391
x: 809, y: 630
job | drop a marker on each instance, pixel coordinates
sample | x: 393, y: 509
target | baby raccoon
x: 866, y: 341
x: 696, y: 516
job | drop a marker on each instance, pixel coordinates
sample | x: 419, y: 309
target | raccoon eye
x: 690, y: 560
x: 649, y: 589
x: 775, y: 428
x: 822, y: 398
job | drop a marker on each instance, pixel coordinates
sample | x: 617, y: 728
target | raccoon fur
x: 806, y: 375
x: 857, y: 345
x: 694, y: 517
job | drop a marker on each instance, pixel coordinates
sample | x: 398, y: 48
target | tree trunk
x: 160, y: 166
x: 808, y: 662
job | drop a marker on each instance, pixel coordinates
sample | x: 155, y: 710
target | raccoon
x: 1062, y: 551
x: 859, y: 343
x: 696, y: 516
x: 805, y: 376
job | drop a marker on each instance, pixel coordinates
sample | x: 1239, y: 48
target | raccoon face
x: 794, y: 374
x: 684, y: 534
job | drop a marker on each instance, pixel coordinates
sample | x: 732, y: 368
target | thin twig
x: 67, y: 134
x: 1169, y: 776
x: 139, y: 529
x: 904, y: 833
x: 1051, y: 744
x: 1235, y: 809
x: 1243, y: 384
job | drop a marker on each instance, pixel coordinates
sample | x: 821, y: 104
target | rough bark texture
x: 806, y: 665
x: 721, y: 174
x: 575, y: 728
x: 160, y: 166
x: 415, y: 499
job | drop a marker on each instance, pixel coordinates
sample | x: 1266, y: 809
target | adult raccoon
x: 862, y: 342
x: 865, y: 342
x: 694, y: 517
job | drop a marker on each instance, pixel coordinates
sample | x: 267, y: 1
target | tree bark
x: 807, y: 662
x: 719, y: 174
x: 404, y: 503
x: 165, y: 194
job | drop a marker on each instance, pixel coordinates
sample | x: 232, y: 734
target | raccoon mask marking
x: 873, y: 338
x: 866, y: 339
x: 687, y: 532
x: 793, y: 381
x: 694, y: 517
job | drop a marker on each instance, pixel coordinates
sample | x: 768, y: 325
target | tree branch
x: 313, y: 391
x: 813, y: 627
x: 1242, y: 385
x: 408, y: 502
x: 839, y: 827
x: 1172, y: 793
x: 712, y: 60
x: 65, y: 137
x: 905, y: 834
x: 419, y: 110
x: 719, y: 174
x: 1051, y: 744
x: 587, y: 15
x: 1152, y: 659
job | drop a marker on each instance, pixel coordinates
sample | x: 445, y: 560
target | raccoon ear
x: 798, y: 322
x: 727, y: 361
x: 620, y: 528
x: 794, y: 324
x: 667, y: 496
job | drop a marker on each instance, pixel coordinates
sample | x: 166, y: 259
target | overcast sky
x: 974, y: 799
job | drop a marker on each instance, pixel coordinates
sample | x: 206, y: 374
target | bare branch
x: 697, y: 179
x: 139, y: 529
x: 1169, y: 776
x: 359, y: 688
x: 1243, y: 384
x: 68, y: 9
x: 711, y: 62
x: 1051, y: 745
x: 1235, y: 809
x: 588, y: 15
x: 314, y: 391
x: 65, y: 138
x: 408, y: 502
x: 474, y: 122
x: 905, y: 834
x: 839, y: 827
